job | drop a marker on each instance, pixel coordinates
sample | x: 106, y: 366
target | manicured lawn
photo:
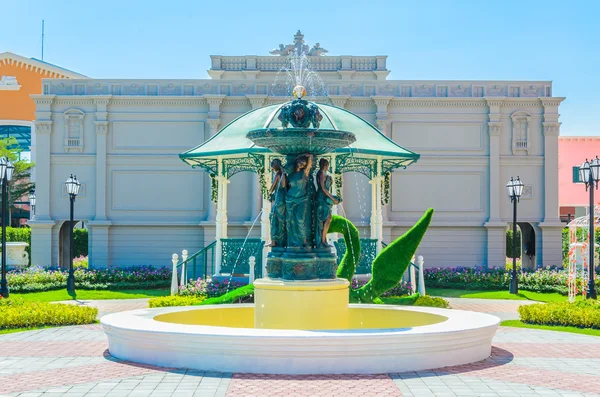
x: 523, y: 295
x: 574, y: 330
x: 62, y: 295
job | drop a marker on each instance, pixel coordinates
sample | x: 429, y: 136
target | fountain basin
x: 291, y: 141
x: 380, y: 338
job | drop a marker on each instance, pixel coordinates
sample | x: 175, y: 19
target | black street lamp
x: 589, y: 172
x: 72, y: 185
x: 515, y: 189
x: 6, y: 172
x: 32, y: 204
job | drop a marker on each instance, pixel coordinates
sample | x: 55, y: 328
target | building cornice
x: 9, y: 58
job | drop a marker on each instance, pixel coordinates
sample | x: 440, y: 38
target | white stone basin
x: 463, y: 338
x: 16, y: 256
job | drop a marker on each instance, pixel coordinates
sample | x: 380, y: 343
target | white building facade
x: 141, y: 203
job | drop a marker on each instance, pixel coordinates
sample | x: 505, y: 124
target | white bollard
x: 413, y: 277
x: 252, y: 263
x: 174, y: 288
x: 421, y: 265
x: 183, y: 280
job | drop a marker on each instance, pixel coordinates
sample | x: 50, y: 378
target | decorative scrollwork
x: 385, y: 188
x: 214, y: 188
x: 208, y: 165
x: 389, y: 165
x: 349, y: 163
x: 240, y: 164
x: 237, y: 253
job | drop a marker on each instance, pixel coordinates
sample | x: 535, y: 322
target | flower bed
x: 478, y: 278
x: 16, y: 313
x: 209, y: 288
x: 37, y: 279
x: 582, y: 314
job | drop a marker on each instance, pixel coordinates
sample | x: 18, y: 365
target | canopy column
x: 377, y: 206
x: 265, y: 222
x: 334, y: 191
x: 221, y: 216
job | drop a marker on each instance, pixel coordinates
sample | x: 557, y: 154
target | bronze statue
x: 298, y: 202
x: 324, y: 204
x: 277, y: 198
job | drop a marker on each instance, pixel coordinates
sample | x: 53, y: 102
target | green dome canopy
x: 231, y: 141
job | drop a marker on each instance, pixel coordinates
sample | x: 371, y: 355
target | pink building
x: 572, y: 152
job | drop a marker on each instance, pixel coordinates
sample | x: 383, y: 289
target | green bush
x: 417, y: 300
x: 582, y: 314
x: 80, y: 242
x: 16, y: 313
x: 243, y: 294
x: 509, y: 243
x: 164, y: 301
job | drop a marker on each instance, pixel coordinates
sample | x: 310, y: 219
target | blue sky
x: 427, y: 39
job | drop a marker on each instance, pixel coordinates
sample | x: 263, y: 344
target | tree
x: 20, y: 184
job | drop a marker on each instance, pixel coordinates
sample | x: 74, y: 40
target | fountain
x: 302, y: 321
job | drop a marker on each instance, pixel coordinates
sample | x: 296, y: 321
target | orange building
x: 19, y: 78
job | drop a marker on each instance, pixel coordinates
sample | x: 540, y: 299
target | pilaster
x: 43, y: 130
x: 381, y: 117
x: 551, y: 127
x: 41, y: 242
x: 213, y: 127
x: 495, y: 127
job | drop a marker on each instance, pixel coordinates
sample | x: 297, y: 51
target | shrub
x: 509, y: 264
x: 37, y: 279
x: 418, y: 300
x: 80, y: 262
x: 209, y: 288
x: 164, y: 301
x: 582, y: 314
x: 478, y: 278
x: 15, y: 313
x: 509, y: 243
x: 243, y: 294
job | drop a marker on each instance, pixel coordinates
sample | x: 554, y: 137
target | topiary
x: 350, y: 259
x: 392, y: 261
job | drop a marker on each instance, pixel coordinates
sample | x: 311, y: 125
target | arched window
x: 521, y: 141
x: 74, y: 130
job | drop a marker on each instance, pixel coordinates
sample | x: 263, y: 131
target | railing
x: 236, y: 256
x: 199, y: 265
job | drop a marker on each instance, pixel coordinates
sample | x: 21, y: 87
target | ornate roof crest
x: 298, y: 47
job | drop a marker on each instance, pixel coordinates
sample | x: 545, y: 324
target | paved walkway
x: 75, y: 362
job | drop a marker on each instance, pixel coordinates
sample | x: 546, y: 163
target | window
x: 548, y: 91
x: 79, y: 89
x: 115, y: 89
x: 188, y: 90
x: 520, y: 132
x: 74, y: 130
x: 478, y: 92
x: 442, y: 91
x: 513, y: 92
x: 405, y: 91
x: 576, y: 178
x: 153, y: 89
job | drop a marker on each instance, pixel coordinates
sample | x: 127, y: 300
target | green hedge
x: 16, y: 313
x: 582, y: 314
x: 177, y: 300
x: 509, y: 243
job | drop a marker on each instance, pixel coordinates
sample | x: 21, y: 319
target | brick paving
x: 75, y: 362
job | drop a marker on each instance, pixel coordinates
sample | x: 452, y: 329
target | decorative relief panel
x: 170, y: 89
x: 352, y: 89
x: 134, y: 89
x: 496, y: 90
x: 424, y: 90
x: 532, y: 90
x: 73, y: 136
x: 527, y: 192
x: 460, y: 90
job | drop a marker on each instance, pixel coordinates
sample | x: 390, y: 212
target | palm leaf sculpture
x: 387, y: 268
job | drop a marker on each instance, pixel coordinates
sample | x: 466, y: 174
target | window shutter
x: 576, y: 174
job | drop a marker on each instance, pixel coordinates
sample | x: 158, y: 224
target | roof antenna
x: 42, y: 39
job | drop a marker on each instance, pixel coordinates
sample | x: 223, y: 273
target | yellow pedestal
x: 305, y: 305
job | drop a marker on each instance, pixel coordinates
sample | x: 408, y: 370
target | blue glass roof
x: 21, y: 133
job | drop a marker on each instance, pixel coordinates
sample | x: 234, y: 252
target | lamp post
x: 589, y: 172
x: 32, y: 204
x: 6, y: 173
x: 72, y: 185
x: 515, y: 189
